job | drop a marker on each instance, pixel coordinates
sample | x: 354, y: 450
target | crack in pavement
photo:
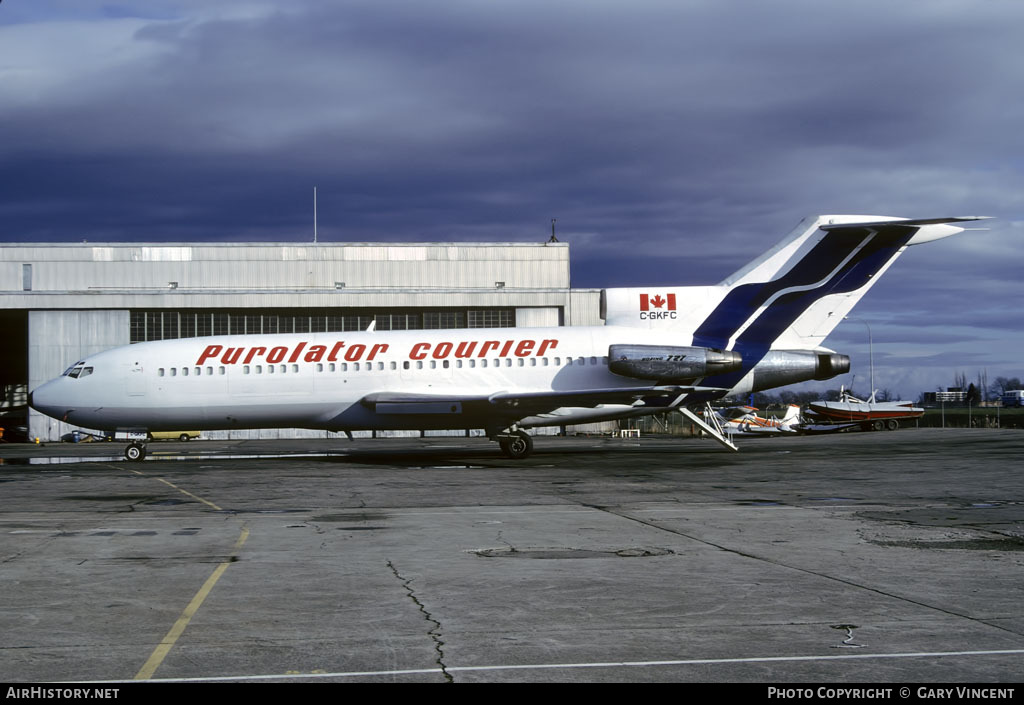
x: 434, y: 632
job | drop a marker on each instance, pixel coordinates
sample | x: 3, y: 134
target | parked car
x: 173, y: 435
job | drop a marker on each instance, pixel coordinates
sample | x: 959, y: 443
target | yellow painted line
x: 186, y: 492
x: 171, y: 484
x: 165, y: 646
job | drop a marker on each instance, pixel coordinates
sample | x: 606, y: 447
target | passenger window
x: 245, y: 369
x: 209, y: 370
x: 184, y: 372
x: 522, y: 362
x: 270, y: 369
x: 222, y: 369
x: 174, y: 372
x: 160, y: 372
x: 259, y: 369
x: 319, y: 367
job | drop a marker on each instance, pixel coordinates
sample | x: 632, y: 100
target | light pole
x: 871, y: 354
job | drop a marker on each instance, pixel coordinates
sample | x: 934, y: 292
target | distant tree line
x: 785, y: 397
x: 981, y: 390
x: 1004, y: 384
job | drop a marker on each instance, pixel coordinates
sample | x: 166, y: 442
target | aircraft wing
x: 521, y: 404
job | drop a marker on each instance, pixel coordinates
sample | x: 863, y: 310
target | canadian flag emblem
x: 647, y: 302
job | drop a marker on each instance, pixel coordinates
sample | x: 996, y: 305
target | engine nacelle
x: 781, y: 367
x: 670, y: 363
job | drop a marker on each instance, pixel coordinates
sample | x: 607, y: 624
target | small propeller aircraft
x: 743, y: 420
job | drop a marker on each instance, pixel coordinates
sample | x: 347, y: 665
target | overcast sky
x: 674, y: 140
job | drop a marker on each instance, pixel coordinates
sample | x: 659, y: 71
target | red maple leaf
x: 657, y: 301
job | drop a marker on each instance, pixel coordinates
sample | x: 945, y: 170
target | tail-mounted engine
x: 669, y: 363
x: 781, y: 367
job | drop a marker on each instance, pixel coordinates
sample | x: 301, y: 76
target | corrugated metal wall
x: 253, y: 266
x: 59, y: 338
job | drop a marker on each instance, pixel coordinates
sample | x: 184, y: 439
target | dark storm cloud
x: 674, y: 141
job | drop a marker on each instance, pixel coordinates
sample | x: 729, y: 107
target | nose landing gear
x: 515, y: 444
x: 135, y: 451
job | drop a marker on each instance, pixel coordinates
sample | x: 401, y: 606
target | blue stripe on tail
x: 744, y: 300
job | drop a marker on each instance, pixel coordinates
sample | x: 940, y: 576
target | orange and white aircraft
x: 745, y: 421
x: 660, y: 349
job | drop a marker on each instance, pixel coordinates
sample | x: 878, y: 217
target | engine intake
x: 669, y: 363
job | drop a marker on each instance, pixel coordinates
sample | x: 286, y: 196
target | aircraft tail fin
x: 776, y: 312
x: 795, y: 294
x: 792, y: 296
x: 791, y: 416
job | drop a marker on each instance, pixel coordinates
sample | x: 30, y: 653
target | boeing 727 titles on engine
x: 660, y: 349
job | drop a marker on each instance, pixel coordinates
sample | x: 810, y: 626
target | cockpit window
x: 78, y: 370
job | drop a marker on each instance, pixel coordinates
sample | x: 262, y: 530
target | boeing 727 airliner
x: 660, y: 349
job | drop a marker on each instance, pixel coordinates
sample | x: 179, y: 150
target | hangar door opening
x: 13, y: 370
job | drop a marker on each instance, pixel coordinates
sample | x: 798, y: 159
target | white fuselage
x: 318, y: 380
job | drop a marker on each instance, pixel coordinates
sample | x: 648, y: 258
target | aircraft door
x: 135, y: 380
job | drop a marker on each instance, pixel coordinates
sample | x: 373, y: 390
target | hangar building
x: 60, y: 302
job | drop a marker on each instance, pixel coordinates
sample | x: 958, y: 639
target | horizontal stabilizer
x: 909, y: 222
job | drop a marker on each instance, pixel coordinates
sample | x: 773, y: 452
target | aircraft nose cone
x: 42, y: 400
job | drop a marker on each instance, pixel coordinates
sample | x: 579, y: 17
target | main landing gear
x: 135, y: 451
x: 514, y: 443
